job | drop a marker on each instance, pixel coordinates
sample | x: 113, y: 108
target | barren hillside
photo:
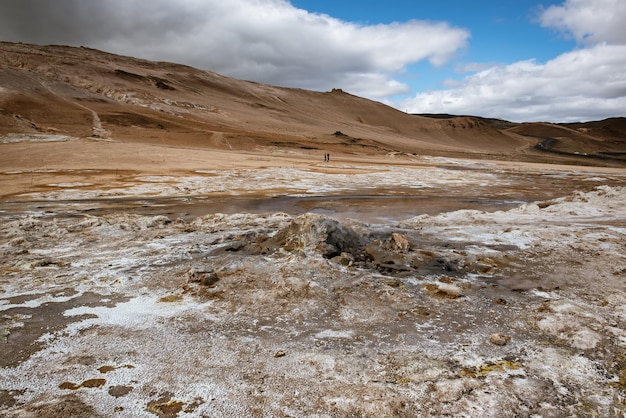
x: 88, y: 93
x: 85, y: 93
x: 600, y: 140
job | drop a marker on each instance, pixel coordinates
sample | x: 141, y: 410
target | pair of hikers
x: 326, y: 157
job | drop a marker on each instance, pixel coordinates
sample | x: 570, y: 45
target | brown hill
x: 598, y: 140
x: 86, y: 93
x: 611, y: 129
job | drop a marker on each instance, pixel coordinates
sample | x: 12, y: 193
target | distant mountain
x: 605, y: 139
x: 592, y: 140
x: 88, y: 93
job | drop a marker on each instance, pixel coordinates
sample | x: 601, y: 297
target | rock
x: 450, y: 290
x: 379, y: 254
x: 399, y: 242
x: 344, y: 259
x: 312, y: 232
x: 421, y: 258
x: 280, y: 353
x: 444, y: 290
x: 499, y: 339
x: 202, y: 277
x: 449, y: 263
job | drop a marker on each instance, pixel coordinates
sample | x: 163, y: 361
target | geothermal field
x: 190, y: 252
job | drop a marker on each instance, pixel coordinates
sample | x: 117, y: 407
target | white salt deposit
x: 16, y: 138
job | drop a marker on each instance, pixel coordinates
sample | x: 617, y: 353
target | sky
x: 519, y: 60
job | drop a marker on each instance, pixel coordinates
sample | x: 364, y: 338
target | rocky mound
x: 312, y: 232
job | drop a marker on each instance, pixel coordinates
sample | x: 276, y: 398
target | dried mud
x: 342, y: 307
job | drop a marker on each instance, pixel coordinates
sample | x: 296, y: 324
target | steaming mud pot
x: 514, y: 312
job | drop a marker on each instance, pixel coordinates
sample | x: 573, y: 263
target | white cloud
x: 268, y: 41
x: 584, y: 84
x: 580, y: 85
x: 589, y: 21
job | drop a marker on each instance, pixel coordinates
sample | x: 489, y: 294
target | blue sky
x: 501, y: 32
x: 520, y: 60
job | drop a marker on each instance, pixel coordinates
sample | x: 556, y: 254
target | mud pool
x: 366, y: 208
x: 373, y: 194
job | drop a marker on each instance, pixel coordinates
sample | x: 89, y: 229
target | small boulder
x: 444, y: 290
x: 344, y: 259
x: 499, y: 339
x: 399, y: 242
x: 378, y: 253
x: 202, y: 277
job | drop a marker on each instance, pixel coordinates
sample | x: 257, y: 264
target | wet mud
x: 374, y: 204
